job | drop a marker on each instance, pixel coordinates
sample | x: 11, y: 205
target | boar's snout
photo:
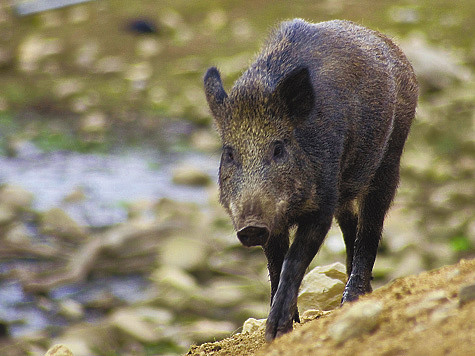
x: 253, y: 235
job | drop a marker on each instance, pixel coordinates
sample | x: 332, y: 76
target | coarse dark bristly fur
x: 314, y: 129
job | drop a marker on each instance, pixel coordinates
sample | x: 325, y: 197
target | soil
x: 422, y: 315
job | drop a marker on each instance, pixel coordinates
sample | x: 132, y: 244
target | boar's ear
x: 215, y: 94
x: 296, y: 92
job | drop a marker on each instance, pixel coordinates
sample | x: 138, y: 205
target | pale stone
x: 359, y: 319
x: 139, y: 72
x: 78, y: 14
x: 6, y: 214
x: 435, y: 67
x: 322, y: 288
x: 59, y: 350
x: 67, y: 87
x: 110, y: 64
x: 181, y: 252
x: 252, y: 325
x: 173, y: 277
x: 87, y: 54
x: 71, y: 309
x: 57, y: 222
x: 94, y: 122
x: 18, y: 234
x: 148, y: 47
x: 16, y: 197
x: 132, y: 324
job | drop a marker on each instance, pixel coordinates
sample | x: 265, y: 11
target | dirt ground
x: 428, y: 314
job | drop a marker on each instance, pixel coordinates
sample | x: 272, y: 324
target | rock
x: 6, y: 214
x: 467, y: 294
x: 139, y: 72
x: 322, y: 288
x: 84, y: 339
x: 184, y: 253
x: 59, y: 350
x: 87, y: 54
x: 435, y: 67
x: 18, y: 234
x: 58, y: 223
x: 133, y: 325
x: 360, y: 318
x: 216, y: 20
x: 252, y: 325
x: 75, y: 196
x: 33, y: 49
x: 78, y: 14
x: 190, y: 175
x: 175, y: 278
x: 71, y: 309
x: 402, y: 14
x: 94, y: 122
x: 110, y: 64
x: 157, y: 316
x: 67, y: 87
x: 148, y: 47
x: 225, y: 292
x: 16, y: 197
x: 51, y: 19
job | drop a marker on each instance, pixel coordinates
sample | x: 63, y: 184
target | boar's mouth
x: 254, y: 235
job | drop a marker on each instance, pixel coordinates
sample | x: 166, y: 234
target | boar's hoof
x: 254, y: 235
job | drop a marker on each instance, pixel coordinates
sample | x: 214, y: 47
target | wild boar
x: 314, y: 129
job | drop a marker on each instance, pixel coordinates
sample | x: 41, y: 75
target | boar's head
x: 264, y: 174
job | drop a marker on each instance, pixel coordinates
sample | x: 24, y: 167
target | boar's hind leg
x: 310, y: 235
x: 348, y: 222
x: 372, y: 210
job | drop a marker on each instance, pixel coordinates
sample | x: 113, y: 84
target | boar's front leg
x: 275, y: 250
x: 310, y: 235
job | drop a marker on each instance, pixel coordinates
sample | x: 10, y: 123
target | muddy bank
x: 427, y: 314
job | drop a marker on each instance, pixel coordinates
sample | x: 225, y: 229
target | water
x: 108, y: 181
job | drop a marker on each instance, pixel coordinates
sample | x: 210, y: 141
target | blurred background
x: 111, y: 237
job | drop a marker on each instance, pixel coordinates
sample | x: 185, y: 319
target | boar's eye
x: 279, y: 150
x: 228, y: 155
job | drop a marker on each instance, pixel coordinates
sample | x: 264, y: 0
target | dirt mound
x: 431, y: 313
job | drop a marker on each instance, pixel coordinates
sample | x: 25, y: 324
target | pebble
x: 361, y: 318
